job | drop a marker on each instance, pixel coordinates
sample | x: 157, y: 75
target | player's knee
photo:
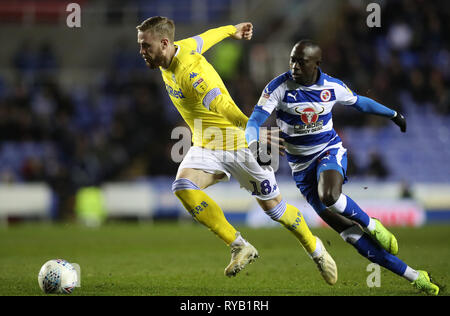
x: 182, y: 184
x: 352, y: 234
x: 267, y: 205
x: 329, y: 196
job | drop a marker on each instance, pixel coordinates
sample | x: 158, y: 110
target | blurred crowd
x: 116, y: 130
x: 120, y: 128
x: 410, y: 53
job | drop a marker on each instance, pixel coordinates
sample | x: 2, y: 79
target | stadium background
x: 86, y: 128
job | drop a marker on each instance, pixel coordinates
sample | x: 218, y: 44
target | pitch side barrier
x: 153, y: 199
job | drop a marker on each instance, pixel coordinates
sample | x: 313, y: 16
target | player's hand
x: 244, y: 31
x: 400, y: 120
x: 272, y: 138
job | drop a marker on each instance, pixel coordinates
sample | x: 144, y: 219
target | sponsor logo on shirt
x: 309, y: 117
x: 174, y: 93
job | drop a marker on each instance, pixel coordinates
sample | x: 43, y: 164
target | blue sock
x: 347, y: 207
x: 370, y: 249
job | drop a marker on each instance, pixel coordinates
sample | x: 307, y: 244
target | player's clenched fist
x: 244, y: 31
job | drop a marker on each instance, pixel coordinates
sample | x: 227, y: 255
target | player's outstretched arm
x: 367, y: 105
x: 213, y: 36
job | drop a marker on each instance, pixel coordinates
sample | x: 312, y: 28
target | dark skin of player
x: 304, y: 65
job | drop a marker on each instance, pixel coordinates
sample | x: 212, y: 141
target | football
x: 57, y: 276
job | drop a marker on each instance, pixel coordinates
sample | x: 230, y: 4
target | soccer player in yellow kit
x: 219, y: 148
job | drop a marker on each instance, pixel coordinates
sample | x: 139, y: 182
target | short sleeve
x: 269, y: 100
x: 344, y: 95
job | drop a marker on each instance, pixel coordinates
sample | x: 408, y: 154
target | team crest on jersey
x: 309, y: 115
x: 200, y: 85
x: 325, y: 95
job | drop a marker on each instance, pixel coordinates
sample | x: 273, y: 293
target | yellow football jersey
x: 199, y: 94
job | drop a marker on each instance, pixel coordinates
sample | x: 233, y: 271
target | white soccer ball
x: 57, y: 276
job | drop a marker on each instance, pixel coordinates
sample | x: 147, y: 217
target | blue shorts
x: 307, y: 180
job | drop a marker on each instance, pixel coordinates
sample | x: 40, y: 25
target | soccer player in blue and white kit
x: 303, y: 99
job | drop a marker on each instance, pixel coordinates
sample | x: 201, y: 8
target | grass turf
x: 172, y: 259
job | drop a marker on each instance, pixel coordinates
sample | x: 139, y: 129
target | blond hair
x: 160, y: 26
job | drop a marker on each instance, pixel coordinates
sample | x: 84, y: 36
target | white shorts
x: 258, y: 180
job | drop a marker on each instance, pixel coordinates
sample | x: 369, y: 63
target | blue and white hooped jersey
x: 304, y: 115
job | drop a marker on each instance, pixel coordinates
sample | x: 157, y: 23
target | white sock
x: 318, y: 250
x: 372, y: 225
x: 410, y: 274
x: 340, y: 205
x: 239, y: 241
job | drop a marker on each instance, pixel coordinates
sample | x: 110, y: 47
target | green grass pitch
x: 185, y: 259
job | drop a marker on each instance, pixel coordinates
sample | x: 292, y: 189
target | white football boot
x: 242, y: 253
x: 326, y: 265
